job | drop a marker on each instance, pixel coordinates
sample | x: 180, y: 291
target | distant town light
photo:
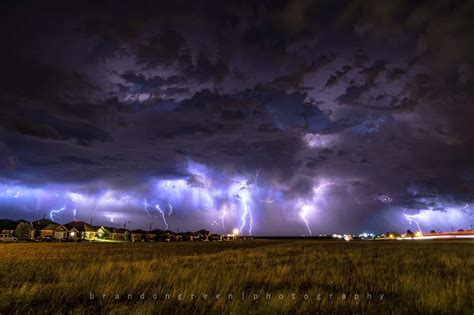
x: 236, y: 231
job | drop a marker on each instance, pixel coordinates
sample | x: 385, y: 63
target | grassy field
x: 414, y: 277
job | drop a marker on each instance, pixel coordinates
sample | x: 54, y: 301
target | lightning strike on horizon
x: 96, y: 207
x: 244, y: 198
x: 307, y: 209
x: 75, y: 198
x: 145, y: 207
x: 157, y: 206
x: 412, y: 218
x: 303, y: 213
x: 223, y: 220
x: 250, y: 220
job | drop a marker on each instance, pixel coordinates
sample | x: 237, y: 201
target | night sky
x: 273, y: 117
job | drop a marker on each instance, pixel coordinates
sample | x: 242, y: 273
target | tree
x: 126, y: 235
x: 410, y: 233
x: 23, y: 231
x: 433, y: 231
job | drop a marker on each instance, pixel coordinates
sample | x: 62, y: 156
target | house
x: 117, y: 234
x: 215, y: 237
x: 81, y: 231
x: 150, y: 236
x: 38, y: 225
x: 190, y: 236
x: 7, y: 226
x: 229, y: 237
x: 103, y: 232
x: 171, y: 236
x: 392, y: 235
x: 75, y: 234
x: 181, y: 236
x: 56, y: 231
x: 166, y: 236
x: 175, y: 237
x: 158, y: 234
x: 137, y: 235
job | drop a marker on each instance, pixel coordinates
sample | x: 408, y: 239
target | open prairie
x: 255, y: 277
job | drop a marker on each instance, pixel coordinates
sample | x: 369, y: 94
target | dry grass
x: 421, y: 277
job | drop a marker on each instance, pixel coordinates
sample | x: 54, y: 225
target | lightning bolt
x: 257, y: 173
x: 145, y: 207
x: 52, y: 212
x: 157, y: 206
x: 243, y: 197
x: 251, y: 220
x: 99, y: 201
x: 223, y: 220
x: 412, y: 218
x: 306, y: 209
x: 96, y: 207
x: 75, y: 198
x: 303, y: 215
x: 244, y: 216
x: 111, y: 217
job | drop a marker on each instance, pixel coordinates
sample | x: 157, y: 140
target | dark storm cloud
x: 374, y: 97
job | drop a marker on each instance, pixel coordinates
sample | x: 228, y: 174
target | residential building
x: 56, y: 231
x: 81, y: 231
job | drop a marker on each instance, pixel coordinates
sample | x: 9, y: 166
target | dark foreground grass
x: 415, y: 277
